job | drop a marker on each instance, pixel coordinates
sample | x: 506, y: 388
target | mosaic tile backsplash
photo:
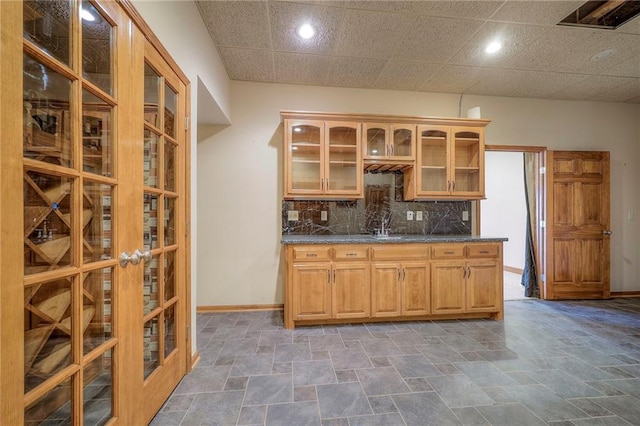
x: 383, y: 200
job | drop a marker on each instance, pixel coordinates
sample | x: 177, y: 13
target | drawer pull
x: 449, y: 252
x: 351, y: 254
x: 484, y: 251
x: 312, y: 255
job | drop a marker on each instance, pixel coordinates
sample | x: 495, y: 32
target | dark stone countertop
x: 398, y: 239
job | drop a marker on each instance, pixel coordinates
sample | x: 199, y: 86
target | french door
x: 93, y: 301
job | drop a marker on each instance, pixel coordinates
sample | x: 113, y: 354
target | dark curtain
x: 530, y: 275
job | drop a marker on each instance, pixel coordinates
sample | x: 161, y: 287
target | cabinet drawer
x: 454, y: 251
x: 350, y: 252
x: 483, y: 251
x: 311, y: 253
x: 399, y: 252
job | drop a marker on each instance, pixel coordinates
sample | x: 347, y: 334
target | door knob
x: 126, y: 258
x: 607, y: 232
x: 144, y: 255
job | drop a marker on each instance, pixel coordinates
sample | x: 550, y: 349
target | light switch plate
x: 409, y: 215
x: 292, y: 215
x: 465, y: 215
x: 323, y: 215
x: 419, y: 215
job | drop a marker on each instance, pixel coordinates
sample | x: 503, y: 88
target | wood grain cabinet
x: 374, y: 282
x: 322, y: 159
x: 449, y: 164
x: 394, y: 142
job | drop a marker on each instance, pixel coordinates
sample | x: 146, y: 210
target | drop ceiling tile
x: 455, y: 79
x: 628, y: 68
x: 299, y: 68
x: 235, y: 23
x: 634, y: 100
x: 355, y: 72
x: 285, y: 18
x: 435, y: 39
x: 536, y: 12
x: 578, y: 59
x: 623, y: 93
x: 593, y: 86
x: 523, y: 83
x: 514, y: 38
x: 248, y: 64
x: 402, y: 75
x: 481, y: 9
x: 372, y: 34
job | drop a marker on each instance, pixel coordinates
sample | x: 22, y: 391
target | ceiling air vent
x: 603, y: 14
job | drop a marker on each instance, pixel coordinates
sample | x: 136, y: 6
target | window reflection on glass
x: 96, y: 309
x: 98, y: 390
x: 47, y: 330
x: 52, y: 408
x: 46, y: 119
x: 150, y: 285
x: 170, y: 109
x: 170, y: 151
x: 96, y: 135
x: 47, y: 222
x: 151, y: 95
x: 169, y: 275
x: 96, y: 221
x: 150, y: 345
x: 97, y: 36
x: 47, y: 23
x: 150, y: 221
x: 150, y: 158
x: 169, y: 221
x: 169, y: 330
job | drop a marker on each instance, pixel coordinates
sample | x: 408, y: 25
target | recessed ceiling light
x: 600, y: 56
x: 306, y: 31
x: 86, y: 15
x: 493, y: 47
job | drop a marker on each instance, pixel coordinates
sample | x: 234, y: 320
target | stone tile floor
x: 548, y: 363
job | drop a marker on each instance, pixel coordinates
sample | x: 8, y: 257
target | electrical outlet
x: 419, y: 215
x: 323, y: 215
x: 292, y: 215
x: 465, y: 215
x: 409, y: 215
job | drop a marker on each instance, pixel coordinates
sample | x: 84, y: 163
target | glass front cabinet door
x: 323, y: 159
x: 450, y: 162
x: 388, y: 141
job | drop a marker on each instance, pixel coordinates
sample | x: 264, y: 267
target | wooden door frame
x: 541, y: 206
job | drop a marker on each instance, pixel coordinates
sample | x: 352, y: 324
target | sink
x: 387, y: 237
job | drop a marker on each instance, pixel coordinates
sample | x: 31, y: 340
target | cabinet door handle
x: 404, y: 274
x: 391, y: 146
x: 351, y: 254
x: 334, y: 276
x: 312, y: 255
x: 449, y: 252
x: 399, y: 276
x: 468, y: 272
x: 464, y: 272
x: 329, y: 276
x: 453, y: 185
x: 484, y: 251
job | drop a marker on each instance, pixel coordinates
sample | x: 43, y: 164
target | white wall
x: 180, y: 29
x: 240, y: 173
x: 504, y: 212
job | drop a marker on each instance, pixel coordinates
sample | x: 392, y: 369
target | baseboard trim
x: 513, y: 269
x: 239, y: 308
x: 195, y: 359
x: 625, y: 294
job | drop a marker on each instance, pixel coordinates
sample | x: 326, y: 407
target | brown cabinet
x: 322, y: 159
x: 394, y: 142
x: 449, y: 164
x: 371, y: 282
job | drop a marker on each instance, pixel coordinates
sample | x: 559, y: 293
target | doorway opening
x: 510, y: 206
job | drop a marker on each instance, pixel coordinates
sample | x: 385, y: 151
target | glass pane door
x: 306, y: 168
x: 433, y: 160
x: 376, y: 140
x: 342, y: 158
x: 466, y: 152
x: 68, y: 186
x: 402, y: 143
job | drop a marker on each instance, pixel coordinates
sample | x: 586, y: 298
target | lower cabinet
x: 400, y: 289
x: 394, y: 281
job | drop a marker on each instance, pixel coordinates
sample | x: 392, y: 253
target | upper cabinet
x: 388, y: 141
x: 322, y: 159
x: 327, y: 154
x: 449, y: 164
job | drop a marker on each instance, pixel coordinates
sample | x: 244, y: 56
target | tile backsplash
x: 383, y: 200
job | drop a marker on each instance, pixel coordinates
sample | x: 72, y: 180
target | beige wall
x: 240, y: 173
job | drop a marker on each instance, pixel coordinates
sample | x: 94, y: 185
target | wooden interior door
x: 578, y: 235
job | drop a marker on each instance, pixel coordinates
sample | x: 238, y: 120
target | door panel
x: 578, y: 243
x: 351, y: 296
x: 416, y: 298
x: 385, y: 286
x: 483, y: 286
x: 311, y: 291
x: 447, y: 287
